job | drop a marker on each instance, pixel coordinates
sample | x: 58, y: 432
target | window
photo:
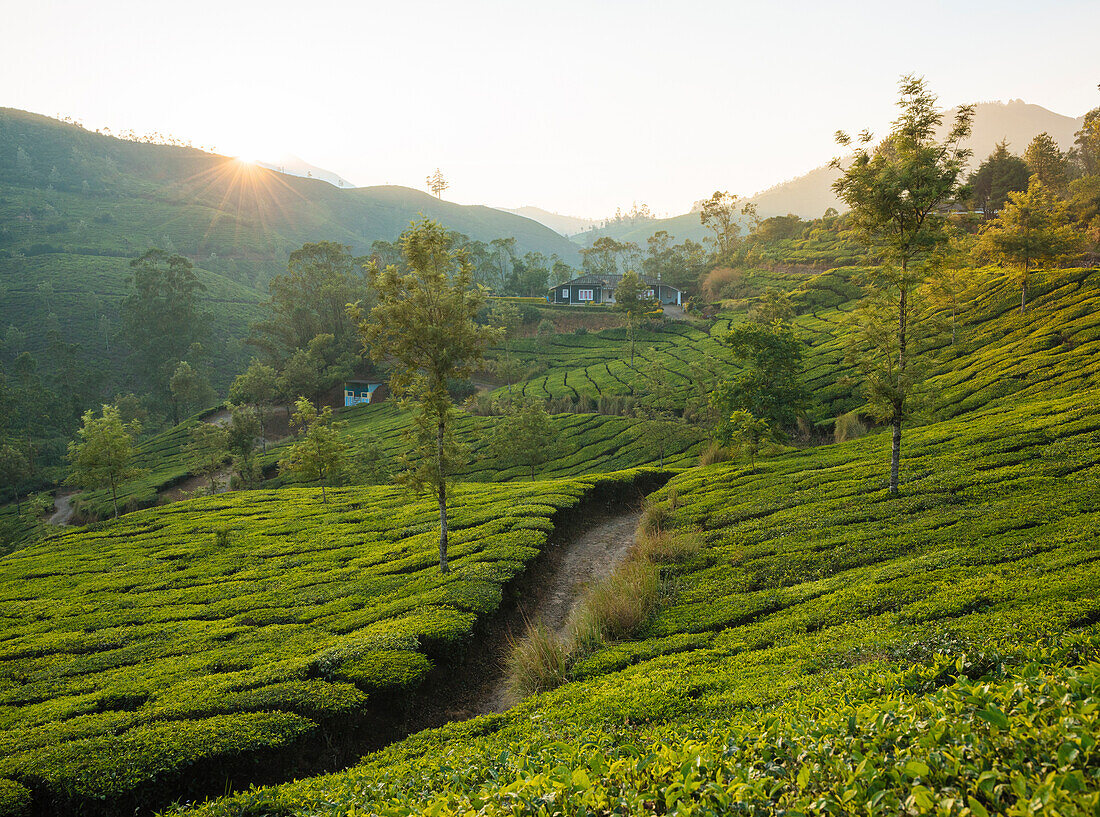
x: 584, y: 295
x: 649, y: 293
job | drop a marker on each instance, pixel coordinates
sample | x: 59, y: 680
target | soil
x: 63, y: 510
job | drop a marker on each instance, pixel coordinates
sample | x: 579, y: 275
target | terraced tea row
x: 215, y: 629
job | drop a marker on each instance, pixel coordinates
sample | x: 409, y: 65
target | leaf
x: 914, y: 768
x: 976, y: 808
x: 994, y: 717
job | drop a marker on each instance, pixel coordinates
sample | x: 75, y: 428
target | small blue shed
x: 357, y: 392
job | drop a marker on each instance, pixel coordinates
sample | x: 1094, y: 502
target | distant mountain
x: 811, y: 194
x: 295, y: 166
x: 1018, y: 122
x: 566, y: 225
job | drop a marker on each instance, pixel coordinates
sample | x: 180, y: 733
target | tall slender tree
x: 896, y: 191
x: 423, y: 323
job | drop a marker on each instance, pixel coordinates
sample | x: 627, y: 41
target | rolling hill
x: 76, y: 206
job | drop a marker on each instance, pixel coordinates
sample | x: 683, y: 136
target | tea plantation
x: 830, y: 649
x: 834, y: 649
x: 210, y: 633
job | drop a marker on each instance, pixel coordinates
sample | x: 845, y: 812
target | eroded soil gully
x: 588, y: 540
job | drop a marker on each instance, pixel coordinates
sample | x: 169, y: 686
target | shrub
x: 15, y: 800
x: 537, y: 662
x: 848, y: 427
x: 580, y: 330
x: 546, y: 328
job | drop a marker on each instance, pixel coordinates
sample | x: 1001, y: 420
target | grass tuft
x: 537, y: 662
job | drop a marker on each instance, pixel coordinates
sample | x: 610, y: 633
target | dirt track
x: 584, y: 560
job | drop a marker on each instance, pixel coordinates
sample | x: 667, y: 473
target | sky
x: 575, y: 107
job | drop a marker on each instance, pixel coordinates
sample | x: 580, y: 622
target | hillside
x: 76, y: 206
x: 831, y: 645
x: 566, y: 225
x: 237, y: 632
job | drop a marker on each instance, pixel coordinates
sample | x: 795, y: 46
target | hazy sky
x: 577, y: 107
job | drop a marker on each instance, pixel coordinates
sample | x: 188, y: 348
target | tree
x: 774, y: 305
x: 720, y: 214
x: 769, y: 384
x: 322, y: 278
x: 632, y: 303
x: 1000, y: 174
x: 319, y: 453
x: 525, y: 437
x: 424, y: 323
x: 1046, y: 160
x: 657, y: 408
x: 895, y: 193
x: 256, y: 387
x: 745, y: 434
x: 190, y: 391
x: 102, y: 456
x: 240, y: 442
x: 503, y: 253
x: 504, y: 315
x: 161, y: 315
x: 15, y: 467
x: 1031, y: 232
x: 950, y: 276
x: 1088, y: 142
x: 437, y: 184
x: 207, y: 447
x: 602, y: 258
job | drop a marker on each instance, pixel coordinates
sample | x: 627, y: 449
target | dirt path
x: 586, y: 559
x: 63, y: 510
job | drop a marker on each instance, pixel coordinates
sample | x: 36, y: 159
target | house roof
x: 611, y: 281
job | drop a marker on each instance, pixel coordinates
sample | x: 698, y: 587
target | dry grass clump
x: 669, y: 547
x: 848, y: 427
x: 537, y: 662
x: 713, y: 454
x: 656, y: 515
x: 620, y: 604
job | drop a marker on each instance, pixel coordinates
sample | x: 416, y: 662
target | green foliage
x: 769, y: 384
x: 525, y: 437
x: 744, y: 433
x: 209, y: 447
x: 103, y: 454
x: 895, y: 194
x: 319, y: 454
x: 1031, y: 232
x: 161, y: 315
x: 423, y: 321
x: 829, y: 646
x: 1000, y: 174
x: 631, y: 302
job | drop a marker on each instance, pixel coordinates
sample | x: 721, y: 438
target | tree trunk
x: 442, y: 502
x: 114, y: 498
x: 895, y: 456
x: 1023, y: 293
x: 899, y: 407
